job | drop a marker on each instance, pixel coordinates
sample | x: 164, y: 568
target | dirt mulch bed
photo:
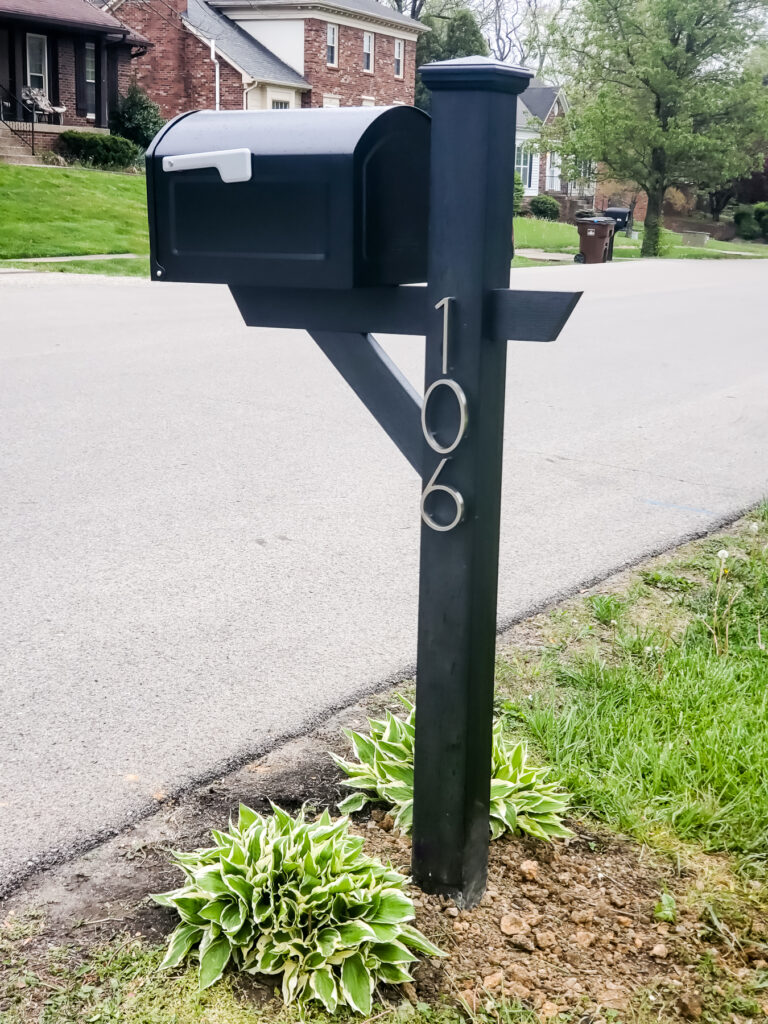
x: 560, y: 926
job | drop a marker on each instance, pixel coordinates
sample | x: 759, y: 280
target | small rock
x: 613, y: 997
x: 690, y: 1005
x: 470, y: 1000
x: 582, y: 916
x: 492, y: 981
x: 377, y: 813
x: 625, y: 922
x: 518, y: 974
x: 387, y: 823
x: 663, y: 928
x: 516, y: 990
x: 659, y: 951
x: 410, y: 993
x: 584, y: 938
x: 452, y: 911
x: 549, y: 1009
x: 617, y: 899
x: 514, y: 924
x: 529, y: 869
x: 545, y: 939
x: 524, y: 942
x: 461, y: 926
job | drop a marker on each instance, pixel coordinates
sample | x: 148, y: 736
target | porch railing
x: 574, y: 189
x: 18, y: 117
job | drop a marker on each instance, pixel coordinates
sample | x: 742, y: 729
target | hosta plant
x: 522, y: 800
x: 284, y: 895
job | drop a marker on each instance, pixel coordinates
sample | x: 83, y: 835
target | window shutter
x: 81, y: 100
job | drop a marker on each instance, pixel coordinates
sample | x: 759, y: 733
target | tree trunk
x: 653, y: 222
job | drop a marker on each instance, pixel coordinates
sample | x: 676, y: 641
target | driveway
x: 207, y: 543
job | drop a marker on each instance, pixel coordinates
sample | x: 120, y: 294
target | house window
x: 524, y: 164
x: 332, y: 47
x: 90, y: 79
x: 281, y: 105
x: 399, y: 47
x: 330, y: 101
x: 37, y: 63
x: 368, y: 51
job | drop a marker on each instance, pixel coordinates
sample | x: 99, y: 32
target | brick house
x: 265, y: 54
x: 540, y: 105
x: 62, y: 63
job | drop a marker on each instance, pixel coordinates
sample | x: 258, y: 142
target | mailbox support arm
x: 511, y: 315
x: 380, y: 385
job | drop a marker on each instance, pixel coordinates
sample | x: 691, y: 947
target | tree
x: 454, y: 36
x: 522, y: 31
x: 666, y: 94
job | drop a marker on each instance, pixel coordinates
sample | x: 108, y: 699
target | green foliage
x: 458, y: 35
x: 519, y: 193
x: 607, y: 608
x: 760, y: 211
x: 666, y: 908
x: 545, y: 207
x: 105, y: 151
x: 747, y: 225
x: 283, y: 895
x: 669, y: 733
x: 521, y: 798
x: 677, y: 102
x: 136, y: 117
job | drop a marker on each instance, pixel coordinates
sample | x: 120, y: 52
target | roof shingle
x: 78, y: 13
x: 241, y: 48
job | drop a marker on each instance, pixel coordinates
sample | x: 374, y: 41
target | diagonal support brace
x: 380, y: 385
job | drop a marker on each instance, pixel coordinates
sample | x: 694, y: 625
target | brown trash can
x: 595, y: 239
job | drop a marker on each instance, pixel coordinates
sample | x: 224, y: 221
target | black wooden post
x: 474, y: 103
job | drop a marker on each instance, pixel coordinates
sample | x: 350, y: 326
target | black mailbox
x: 291, y: 198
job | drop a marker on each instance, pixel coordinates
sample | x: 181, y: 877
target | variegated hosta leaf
x: 522, y: 798
x: 283, y: 895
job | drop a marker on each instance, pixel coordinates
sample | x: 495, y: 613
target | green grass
x: 52, y: 211
x: 556, y: 236
x: 111, y: 268
x: 550, y: 235
x: 662, y: 731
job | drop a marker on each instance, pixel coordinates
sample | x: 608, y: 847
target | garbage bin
x: 595, y: 240
x: 620, y: 214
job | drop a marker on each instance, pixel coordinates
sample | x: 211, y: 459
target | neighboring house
x: 540, y: 105
x: 272, y: 54
x: 62, y: 63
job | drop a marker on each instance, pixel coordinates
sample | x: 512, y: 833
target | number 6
x: 459, y: 501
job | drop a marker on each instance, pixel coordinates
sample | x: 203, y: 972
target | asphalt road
x: 206, y: 543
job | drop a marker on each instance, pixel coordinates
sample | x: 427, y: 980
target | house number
x: 445, y: 450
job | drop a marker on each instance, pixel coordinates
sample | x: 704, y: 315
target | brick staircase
x: 13, y: 150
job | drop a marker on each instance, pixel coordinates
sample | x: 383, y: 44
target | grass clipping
x: 522, y: 800
x: 283, y: 895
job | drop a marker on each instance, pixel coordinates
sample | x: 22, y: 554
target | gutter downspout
x: 246, y: 89
x: 218, y: 74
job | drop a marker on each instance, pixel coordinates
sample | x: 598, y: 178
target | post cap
x: 484, y: 74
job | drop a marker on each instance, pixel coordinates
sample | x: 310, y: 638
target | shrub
x: 546, y: 207
x: 521, y: 801
x: 761, y: 216
x: 519, y: 194
x: 110, y: 151
x: 136, y: 117
x: 283, y: 895
x: 747, y: 226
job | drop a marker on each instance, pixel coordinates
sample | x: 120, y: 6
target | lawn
x: 52, y: 211
x: 556, y: 236
x: 654, y: 710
